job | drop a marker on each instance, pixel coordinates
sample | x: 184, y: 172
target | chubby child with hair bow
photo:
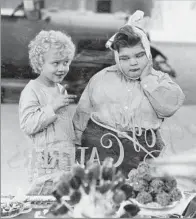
x: 123, y: 106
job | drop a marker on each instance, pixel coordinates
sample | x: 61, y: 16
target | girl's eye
x: 66, y: 63
x: 140, y: 55
x: 55, y: 63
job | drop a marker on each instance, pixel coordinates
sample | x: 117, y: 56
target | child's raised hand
x: 63, y: 90
x: 147, y: 69
x: 63, y: 99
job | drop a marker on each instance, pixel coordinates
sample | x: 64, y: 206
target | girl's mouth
x: 60, y: 75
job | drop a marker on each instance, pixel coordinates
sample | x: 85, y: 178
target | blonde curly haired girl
x: 43, y: 106
x: 43, y: 42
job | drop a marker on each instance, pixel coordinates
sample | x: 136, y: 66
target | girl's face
x: 55, y: 67
x: 133, y: 60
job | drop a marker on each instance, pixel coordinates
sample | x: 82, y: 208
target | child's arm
x: 34, y: 117
x: 82, y: 114
x: 165, y: 96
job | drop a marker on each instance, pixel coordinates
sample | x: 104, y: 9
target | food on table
x: 144, y: 197
x: 156, y: 186
x: 40, y: 202
x: 175, y: 194
x: 40, y: 194
x: 119, y: 196
x: 163, y: 198
x: 108, y: 170
x: 75, y: 197
x: 170, y: 183
x: 140, y: 185
x: 11, y: 208
x: 133, y: 176
x: 104, y: 187
x: 131, y: 210
x: 128, y: 190
x: 144, y: 171
x: 93, y: 191
x: 41, y: 188
x: 158, y: 191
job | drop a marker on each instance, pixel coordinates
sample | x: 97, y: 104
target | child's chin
x: 134, y: 76
x: 59, y: 80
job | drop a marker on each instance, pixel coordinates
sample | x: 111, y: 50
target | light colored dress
x: 125, y: 104
x: 51, y: 134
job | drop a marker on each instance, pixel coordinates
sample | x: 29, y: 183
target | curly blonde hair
x: 43, y: 42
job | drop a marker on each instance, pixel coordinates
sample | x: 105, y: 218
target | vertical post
x: 29, y: 5
x: 82, y: 5
x: 31, y: 9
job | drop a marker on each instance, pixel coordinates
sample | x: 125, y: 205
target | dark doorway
x: 104, y: 6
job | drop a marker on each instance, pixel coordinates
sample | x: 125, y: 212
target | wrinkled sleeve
x: 32, y: 116
x: 82, y: 114
x: 165, y: 96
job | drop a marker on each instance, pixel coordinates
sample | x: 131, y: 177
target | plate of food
x: 153, y: 192
x: 154, y: 205
x: 12, y: 208
x: 40, y: 202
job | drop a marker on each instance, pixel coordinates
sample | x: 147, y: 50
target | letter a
x: 93, y: 154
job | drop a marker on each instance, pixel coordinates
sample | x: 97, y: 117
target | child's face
x: 56, y: 66
x: 133, y: 60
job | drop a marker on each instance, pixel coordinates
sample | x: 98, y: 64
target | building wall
x: 10, y: 3
x: 131, y: 6
x: 62, y: 4
x: 117, y: 5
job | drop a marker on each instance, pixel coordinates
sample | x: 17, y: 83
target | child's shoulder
x: 31, y: 87
x: 103, y: 72
x: 112, y: 68
x: 28, y: 86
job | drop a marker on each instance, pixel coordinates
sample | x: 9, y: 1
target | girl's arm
x: 34, y: 117
x: 82, y: 114
x: 165, y: 96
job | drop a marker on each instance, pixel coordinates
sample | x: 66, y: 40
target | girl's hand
x: 147, y: 70
x: 62, y: 100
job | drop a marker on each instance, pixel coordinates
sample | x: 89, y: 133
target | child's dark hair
x: 125, y: 37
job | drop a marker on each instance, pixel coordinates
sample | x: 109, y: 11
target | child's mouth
x: 134, y: 70
x: 59, y: 75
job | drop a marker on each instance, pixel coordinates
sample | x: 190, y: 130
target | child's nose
x: 63, y: 68
x: 133, y: 61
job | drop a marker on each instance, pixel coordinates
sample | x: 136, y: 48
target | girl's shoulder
x: 32, y: 87
x: 29, y: 86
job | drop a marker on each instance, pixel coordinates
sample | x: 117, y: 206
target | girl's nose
x: 63, y: 68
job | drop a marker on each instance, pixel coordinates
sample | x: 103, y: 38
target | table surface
x: 189, y: 210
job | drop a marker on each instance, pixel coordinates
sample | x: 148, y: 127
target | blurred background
x: 90, y: 23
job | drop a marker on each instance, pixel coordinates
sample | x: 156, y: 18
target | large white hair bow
x: 137, y: 22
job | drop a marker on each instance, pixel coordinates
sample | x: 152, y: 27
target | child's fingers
x: 148, y: 66
x: 71, y: 101
x: 64, y: 89
x: 71, y: 96
x: 147, y: 69
x: 68, y: 99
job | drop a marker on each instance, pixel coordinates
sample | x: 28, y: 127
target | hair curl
x: 43, y: 41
